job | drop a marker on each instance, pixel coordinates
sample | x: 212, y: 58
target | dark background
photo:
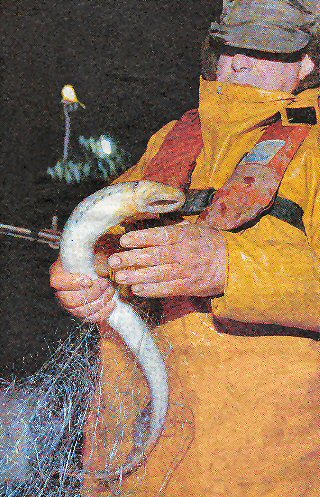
x: 135, y: 64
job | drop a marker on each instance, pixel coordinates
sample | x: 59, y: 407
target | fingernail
x: 126, y: 239
x: 114, y: 261
x: 137, y: 289
x: 85, y: 282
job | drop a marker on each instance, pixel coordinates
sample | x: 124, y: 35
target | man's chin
x: 245, y: 82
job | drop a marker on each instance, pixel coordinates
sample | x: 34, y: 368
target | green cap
x: 280, y: 26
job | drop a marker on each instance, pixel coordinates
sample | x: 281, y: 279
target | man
x: 253, y: 397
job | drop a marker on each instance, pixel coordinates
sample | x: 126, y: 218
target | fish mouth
x: 161, y: 198
x: 163, y: 205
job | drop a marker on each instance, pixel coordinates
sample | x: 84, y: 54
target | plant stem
x: 66, y: 140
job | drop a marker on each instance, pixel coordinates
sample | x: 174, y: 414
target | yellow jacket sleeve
x: 273, y: 268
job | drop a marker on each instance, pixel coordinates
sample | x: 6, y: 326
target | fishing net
x: 43, y: 420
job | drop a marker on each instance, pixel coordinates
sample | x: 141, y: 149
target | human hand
x: 83, y: 297
x: 184, y: 259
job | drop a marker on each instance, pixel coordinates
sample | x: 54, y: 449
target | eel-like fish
x: 90, y: 220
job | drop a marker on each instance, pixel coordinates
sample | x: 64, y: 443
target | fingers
x: 73, y: 299
x: 164, y: 289
x: 103, y: 314
x: 95, y: 311
x: 154, y: 236
x: 84, y: 298
x: 63, y: 280
x: 152, y: 256
x: 166, y: 272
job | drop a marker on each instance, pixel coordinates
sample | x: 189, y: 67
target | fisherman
x: 240, y: 285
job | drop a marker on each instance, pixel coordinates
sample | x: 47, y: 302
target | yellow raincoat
x: 244, y: 411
